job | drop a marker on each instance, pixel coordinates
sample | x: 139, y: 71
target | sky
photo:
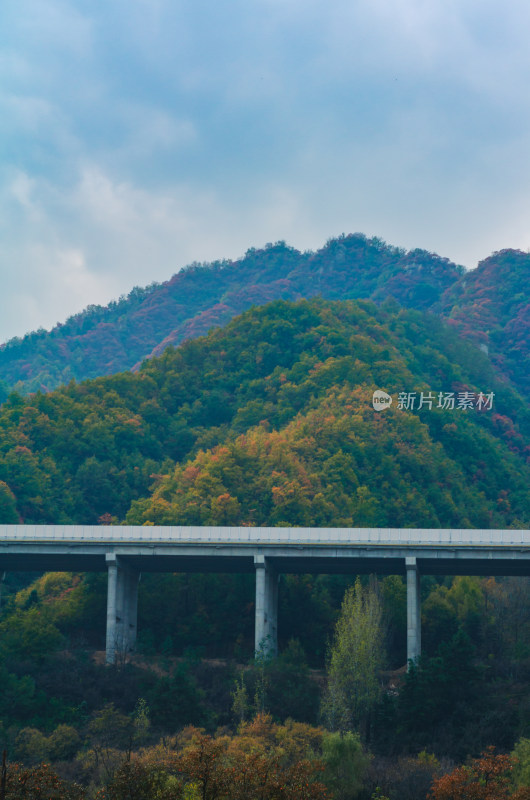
x: 138, y: 136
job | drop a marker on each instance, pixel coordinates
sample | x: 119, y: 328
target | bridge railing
x: 152, y: 534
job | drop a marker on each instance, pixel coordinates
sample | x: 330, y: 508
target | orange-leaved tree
x: 38, y: 783
x: 263, y: 761
x: 258, y: 763
x: 485, y: 778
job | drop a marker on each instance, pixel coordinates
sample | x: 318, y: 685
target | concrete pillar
x: 132, y: 608
x: 413, y: 610
x: 272, y: 608
x: 122, y: 608
x: 112, y: 587
x: 266, y: 626
x: 2, y: 579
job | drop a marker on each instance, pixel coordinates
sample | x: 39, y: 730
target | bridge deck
x: 149, y: 534
x: 223, y: 549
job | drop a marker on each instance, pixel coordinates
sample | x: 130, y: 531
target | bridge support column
x: 131, y: 595
x: 413, y: 610
x: 266, y: 626
x: 2, y: 579
x: 122, y: 608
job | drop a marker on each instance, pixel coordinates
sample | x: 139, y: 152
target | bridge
x: 126, y: 551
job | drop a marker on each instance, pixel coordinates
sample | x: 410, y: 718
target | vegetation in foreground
x: 264, y: 761
x: 376, y: 732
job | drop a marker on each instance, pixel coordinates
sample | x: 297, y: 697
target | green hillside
x: 294, y: 383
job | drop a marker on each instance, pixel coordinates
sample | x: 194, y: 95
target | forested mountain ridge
x: 176, y: 442
x: 101, y: 341
x: 491, y: 306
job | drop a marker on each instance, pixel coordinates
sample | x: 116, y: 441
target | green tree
x: 240, y: 703
x: 141, y: 722
x: 139, y: 780
x: 355, y: 660
x: 8, y: 506
x: 63, y: 743
x: 345, y: 765
x: 109, y: 733
x: 521, y: 759
x: 31, y: 746
x: 439, y: 698
x: 4, y: 391
x: 30, y: 632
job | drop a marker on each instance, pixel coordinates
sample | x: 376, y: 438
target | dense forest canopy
x: 490, y: 305
x: 178, y: 441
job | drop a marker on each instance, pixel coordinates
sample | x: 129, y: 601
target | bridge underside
x: 365, y: 563
x: 266, y: 552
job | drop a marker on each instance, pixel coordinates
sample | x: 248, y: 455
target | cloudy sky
x: 138, y: 136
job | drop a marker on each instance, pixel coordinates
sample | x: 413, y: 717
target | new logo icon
x: 381, y: 400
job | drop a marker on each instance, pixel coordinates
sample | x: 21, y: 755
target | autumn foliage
x: 269, y: 421
x: 104, y: 340
x: 38, y: 783
x: 264, y: 761
x: 485, y: 778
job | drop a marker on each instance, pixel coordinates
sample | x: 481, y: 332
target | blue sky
x: 139, y: 136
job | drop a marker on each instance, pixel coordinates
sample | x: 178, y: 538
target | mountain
x: 102, y: 341
x: 177, y: 442
x: 491, y: 306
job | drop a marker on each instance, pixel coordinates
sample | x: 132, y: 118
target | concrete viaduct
x: 125, y: 551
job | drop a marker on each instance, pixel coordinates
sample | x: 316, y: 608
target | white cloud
x: 101, y: 237
x: 49, y: 25
x: 146, y: 134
